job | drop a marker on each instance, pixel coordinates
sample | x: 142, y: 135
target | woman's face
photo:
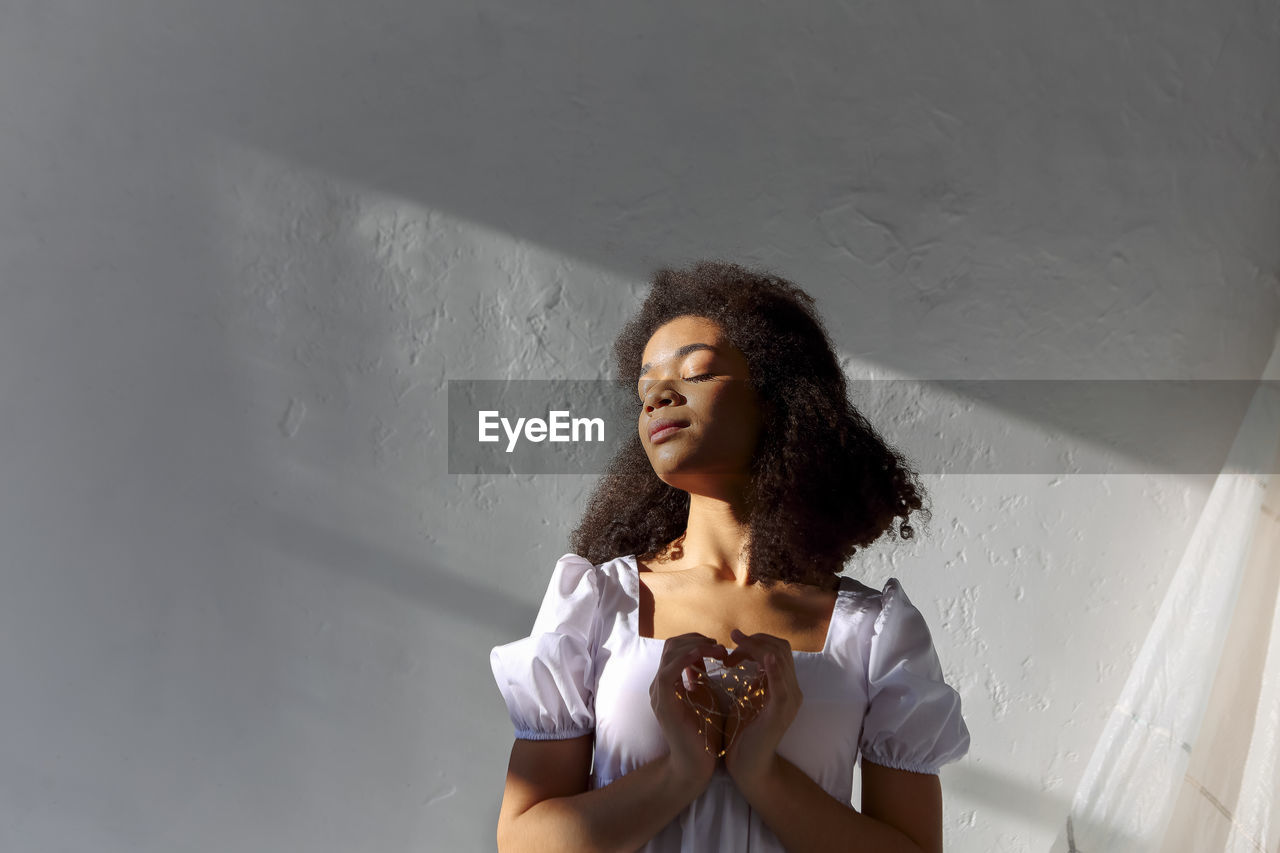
x: 693, y: 376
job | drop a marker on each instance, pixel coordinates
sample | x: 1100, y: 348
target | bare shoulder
x: 666, y: 571
x: 660, y: 562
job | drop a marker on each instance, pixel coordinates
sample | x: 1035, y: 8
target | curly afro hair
x: 822, y: 480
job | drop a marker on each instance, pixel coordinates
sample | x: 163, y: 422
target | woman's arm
x: 546, y: 805
x: 901, y: 810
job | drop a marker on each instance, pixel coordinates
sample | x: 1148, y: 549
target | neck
x: 716, y: 536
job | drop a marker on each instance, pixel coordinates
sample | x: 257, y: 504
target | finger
x: 747, y: 650
x: 758, y: 645
x: 783, y: 681
x: 688, y: 683
x: 679, y: 655
x: 686, y: 642
x: 674, y: 671
x: 694, y: 655
x: 777, y: 672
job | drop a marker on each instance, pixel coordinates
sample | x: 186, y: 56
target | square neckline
x: 634, y: 590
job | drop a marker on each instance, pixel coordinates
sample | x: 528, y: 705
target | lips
x: 663, y: 427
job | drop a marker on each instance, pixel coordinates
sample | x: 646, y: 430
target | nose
x: 658, y: 397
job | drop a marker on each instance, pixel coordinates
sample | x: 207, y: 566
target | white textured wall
x: 243, y: 245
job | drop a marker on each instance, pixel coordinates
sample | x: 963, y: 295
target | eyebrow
x: 680, y: 353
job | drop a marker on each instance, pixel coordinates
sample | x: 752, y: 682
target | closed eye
x: 703, y: 378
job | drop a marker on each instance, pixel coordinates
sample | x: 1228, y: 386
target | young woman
x: 715, y: 541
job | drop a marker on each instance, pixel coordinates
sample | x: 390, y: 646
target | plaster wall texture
x: 243, y: 246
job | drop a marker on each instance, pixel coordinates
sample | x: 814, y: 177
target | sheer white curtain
x: 1188, y: 759
x: 1227, y: 800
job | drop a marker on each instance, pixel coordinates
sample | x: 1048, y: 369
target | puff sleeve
x: 548, y: 678
x: 913, y: 719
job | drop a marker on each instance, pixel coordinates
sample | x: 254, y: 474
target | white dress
x: 875, y: 689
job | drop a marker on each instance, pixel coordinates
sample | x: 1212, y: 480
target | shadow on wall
x: 412, y: 579
x: 986, y: 789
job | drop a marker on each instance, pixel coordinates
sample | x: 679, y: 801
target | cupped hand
x: 693, y: 741
x: 753, y: 746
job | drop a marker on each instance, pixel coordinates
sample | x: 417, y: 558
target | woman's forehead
x: 680, y: 353
x: 680, y: 333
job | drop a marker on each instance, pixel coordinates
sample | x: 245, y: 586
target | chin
x: 671, y: 477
